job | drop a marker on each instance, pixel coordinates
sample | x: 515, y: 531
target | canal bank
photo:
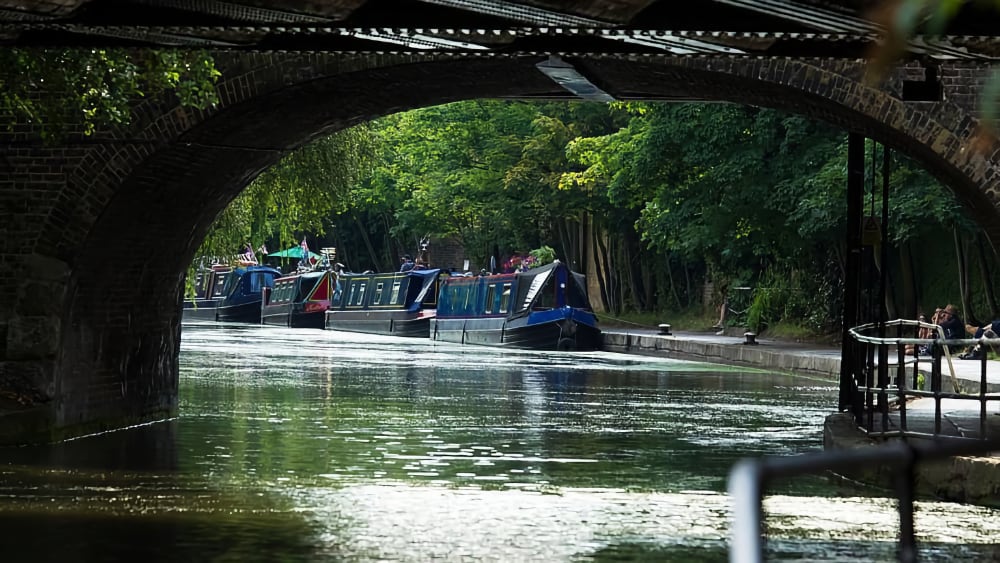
x: 974, y: 480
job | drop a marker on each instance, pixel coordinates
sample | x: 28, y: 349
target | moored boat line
x: 545, y: 307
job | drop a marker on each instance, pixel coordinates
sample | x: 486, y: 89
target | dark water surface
x: 310, y: 445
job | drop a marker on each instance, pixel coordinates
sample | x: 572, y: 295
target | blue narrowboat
x: 299, y: 301
x: 543, y: 308
x: 392, y: 303
x: 208, y: 292
x: 243, y: 293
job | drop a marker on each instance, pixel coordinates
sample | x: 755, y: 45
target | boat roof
x: 306, y: 275
x: 258, y: 268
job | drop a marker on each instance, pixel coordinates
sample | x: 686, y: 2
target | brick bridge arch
x: 102, y: 231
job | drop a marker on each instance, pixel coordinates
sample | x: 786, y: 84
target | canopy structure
x: 293, y: 252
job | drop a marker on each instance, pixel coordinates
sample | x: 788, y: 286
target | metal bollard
x: 750, y: 338
x: 664, y: 329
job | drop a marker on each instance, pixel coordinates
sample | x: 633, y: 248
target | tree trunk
x: 564, y: 240
x: 634, y: 270
x: 673, y: 285
x: 891, y: 307
x: 984, y: 270
x: 647, y: 284
x: 368, y: 243
x: 963, y: 279
x: 908, y: 284
x: 687, y: 285
x: 612, y: 301
x: 599, y: 262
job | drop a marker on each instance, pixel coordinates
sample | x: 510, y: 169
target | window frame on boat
x: 395, y: 298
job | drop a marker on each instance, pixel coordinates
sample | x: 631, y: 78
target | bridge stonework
x: 97, y: 232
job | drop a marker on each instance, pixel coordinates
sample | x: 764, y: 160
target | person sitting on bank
x: 951, y: 324
x: 923, y: 333
x: 407, y: 263
x: 976, y: 351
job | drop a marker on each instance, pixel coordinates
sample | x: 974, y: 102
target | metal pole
x: 746, y: 491
x: 883, y: 350
x: 936, y: 351
x: 852, y: 274
x: 905, y: 484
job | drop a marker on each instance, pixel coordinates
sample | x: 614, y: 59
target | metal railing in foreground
x: 749, y: 478
x: 871, y: 369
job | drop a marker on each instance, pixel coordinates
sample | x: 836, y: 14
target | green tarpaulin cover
x: 293, y: 252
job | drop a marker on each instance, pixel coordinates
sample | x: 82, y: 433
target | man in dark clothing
x: 951, y: 324
x: 407, y: 263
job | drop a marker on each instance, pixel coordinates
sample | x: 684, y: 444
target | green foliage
x: 63, y: 89
x: 544, y: 255
x: 296, y: 197
x: 673, y: 192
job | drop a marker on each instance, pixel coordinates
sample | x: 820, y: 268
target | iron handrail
x: 749, y: 477
x: 873, y: 390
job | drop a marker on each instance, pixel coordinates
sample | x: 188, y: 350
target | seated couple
x: 951, y: 328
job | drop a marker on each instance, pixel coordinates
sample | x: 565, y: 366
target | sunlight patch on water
x: 400, y: 522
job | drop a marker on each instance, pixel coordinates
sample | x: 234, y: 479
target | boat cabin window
x: 338, y: 293
x: 377, y: 299
x: 454, y: 297
x: 491, y: 294
x: 504, y: 299
x: 394, y: 298
x: 359, y: 293
x: 218, y: 285
x: 469, y: 301
x: 201, y: 284
x: 576, y: 294
x: 306, y: 285
x: 259, y: 280
x: 546, y: 298
x: 352, y: 293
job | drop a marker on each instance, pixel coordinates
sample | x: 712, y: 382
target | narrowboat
x: 392, y: 303
x: 298, y: 301
x: 544, y: 308
x: 208, y: 292
x: 243, y: 293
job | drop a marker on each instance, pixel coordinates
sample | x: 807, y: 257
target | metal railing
x: 878, y: 382
x: 873, y: 375
x: 749, y: 479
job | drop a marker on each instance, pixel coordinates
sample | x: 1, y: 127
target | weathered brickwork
x: 95, y: 235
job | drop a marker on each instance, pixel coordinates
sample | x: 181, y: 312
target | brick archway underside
x: 115, y: 242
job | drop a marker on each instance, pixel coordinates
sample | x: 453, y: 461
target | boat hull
x: 552, y: 334
x: 390, y: 323
x: 291, y: 316
x: 248, y: 312
x: 202, y: 310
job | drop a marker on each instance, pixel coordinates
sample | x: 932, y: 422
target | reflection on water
x: 317, y: 445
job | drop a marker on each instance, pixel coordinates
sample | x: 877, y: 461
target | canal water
x: 303, y: 445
